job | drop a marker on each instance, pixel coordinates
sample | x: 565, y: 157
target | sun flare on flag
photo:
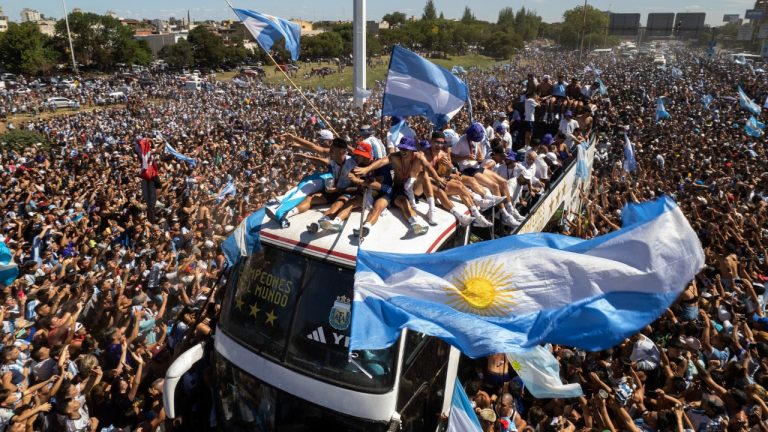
x: 482, y: 287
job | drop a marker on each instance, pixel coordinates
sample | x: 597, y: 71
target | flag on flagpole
x: 630, y: 163
x: 540, y: 372
x: 309, y: 185
x: 169, y: 148
x: 268, y: 29
x: 245, y: 239
x: 416, y: 86
x: 747, y: 103
x: 9, y: 270
x: 520, y: 291
x: 754, y: 128
x: 462, y: 417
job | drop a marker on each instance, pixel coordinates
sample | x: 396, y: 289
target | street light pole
x: 69, y: 36
x: 583, y: 32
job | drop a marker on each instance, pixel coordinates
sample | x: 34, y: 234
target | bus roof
x: 389, y: 234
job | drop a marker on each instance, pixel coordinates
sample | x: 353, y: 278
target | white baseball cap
x: 325, y: 134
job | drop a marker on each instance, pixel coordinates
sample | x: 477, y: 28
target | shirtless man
x: 410, y: 180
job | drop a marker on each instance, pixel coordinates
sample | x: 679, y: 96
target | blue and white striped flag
x: 191, y: 161
x: 229, y: 189
x: 540, y: 372
x: 309, y: 185
x: 706, y: 100
x: 603, y: 88
x: 245, y: 239
x: 754, y: 128
x: 9, y: 270
x: 677, y: 73
x: 268, y: 29
x: 630, y: 163
x: 747, y: 103
x: 462, y: 417
x: 516, y: 292
x: 416, y: 86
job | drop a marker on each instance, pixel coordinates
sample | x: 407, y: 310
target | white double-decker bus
x: 280, y: 350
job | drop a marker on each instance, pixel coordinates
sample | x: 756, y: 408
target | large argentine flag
x: 540, y: 372
x: 9, y: 270
x: 245, y: 239
x: 416, y: 86
x: 520, y: 291
x: 268, y: 29
x: 462, y: 417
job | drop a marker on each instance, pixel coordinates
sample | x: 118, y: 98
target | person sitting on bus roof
x: 506, y: 161
x: 467, y: 154
x: 379, y: 182
x: 444, y: 187
x: 409, y: 181
x: 337, y: 188
x: 323, y: 149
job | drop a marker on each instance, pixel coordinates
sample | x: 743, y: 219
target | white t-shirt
x: 566, y: 128
x: 379, y: 151
x: 542, y: 169
x: 464, y: 148
x: 530, y: 109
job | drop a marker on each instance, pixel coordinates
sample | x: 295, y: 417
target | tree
x: 430, y: 13
x: 506, y: 17
x: 207, y: 47
x: 101, y: 41
x: 573, y: 25
x: 394, y: 19
x: 178, y: 55
x: 24, y: 49
x: 502, y: 45
x: 468, y: 17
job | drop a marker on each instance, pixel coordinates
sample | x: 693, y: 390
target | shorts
x: 332, y: 197
x: 397, y: 190
x: 387, y: 192
x: 471, y: 171
x: 528, y: 126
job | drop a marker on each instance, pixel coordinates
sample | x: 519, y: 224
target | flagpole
x: 317, y: 111
x: 69, y: 36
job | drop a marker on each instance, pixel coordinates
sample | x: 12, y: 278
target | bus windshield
x: 296, y: 311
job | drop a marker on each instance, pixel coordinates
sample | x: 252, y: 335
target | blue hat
x: 510, y: 156
x: 475, y: 133
x: 569, y: 113
x: 547, y: 139
x: 500, y: 128
x: 425, y: 144
x: 407, y: 143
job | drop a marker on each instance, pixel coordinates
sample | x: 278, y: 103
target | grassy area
x: 375, y: 73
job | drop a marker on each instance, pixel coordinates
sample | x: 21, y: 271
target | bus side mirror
x: 178, y: 368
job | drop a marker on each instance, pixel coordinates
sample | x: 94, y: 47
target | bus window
x: 260, y: 311
x: 320, y: 335
x: 423, y: 376
x: 297, y: 312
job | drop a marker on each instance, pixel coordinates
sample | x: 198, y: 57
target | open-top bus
x: 280, y: 351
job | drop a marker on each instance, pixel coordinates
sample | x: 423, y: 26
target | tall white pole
x: 358, y: 52
x: 69, y: 36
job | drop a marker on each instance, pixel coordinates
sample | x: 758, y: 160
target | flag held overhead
x: 416, y: 86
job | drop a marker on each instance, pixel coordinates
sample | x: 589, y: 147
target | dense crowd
x: 114, y: 285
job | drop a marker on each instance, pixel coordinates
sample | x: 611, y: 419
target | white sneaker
x: 419, y: 229
x: 481, y: 221
x: 334, y: 225
x: 464, y: 219
x: 494, y: 198
x: 509, y: 221
x: 515, y: 214
x: 324, y: 222
x: 485, y: 204
x: 430, y: 218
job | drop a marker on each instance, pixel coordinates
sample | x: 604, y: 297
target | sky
x: 550, y: 10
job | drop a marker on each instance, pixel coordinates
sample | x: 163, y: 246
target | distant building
x: 373, y: 27
x: 47, y: 26
x: 30, y: 15
x: 3, y: 22
x: 77, y: 10
x: 307, y: 27
x: 156, y: 42
x: 161, y: 26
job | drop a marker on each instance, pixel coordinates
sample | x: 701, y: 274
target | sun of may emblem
x: 482, y: 287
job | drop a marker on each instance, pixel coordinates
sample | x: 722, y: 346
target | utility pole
x: 583, y: 32
x: 69, y: 36
x: 359, y: 34
x: 607, y: 29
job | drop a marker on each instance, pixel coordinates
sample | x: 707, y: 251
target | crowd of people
x: 118, y: 238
